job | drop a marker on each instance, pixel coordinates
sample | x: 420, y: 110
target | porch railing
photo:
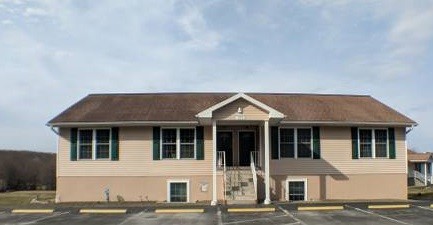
x: 221, y: 164
x: 254, y: 172
x: 221, y: 160
x: 255, y: 157
x: 420, y: 176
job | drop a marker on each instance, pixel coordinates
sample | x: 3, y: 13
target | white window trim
x: 295, y: 134
x: 305, y: 180
x: 178, y: 181
x: 94, y: 144
x: 373, y: 143
x: 178, y: 143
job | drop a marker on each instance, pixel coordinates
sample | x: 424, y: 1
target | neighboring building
x: 420, y: 168
x: 189, y: 147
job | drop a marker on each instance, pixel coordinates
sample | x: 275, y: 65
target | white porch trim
x: 207, y: 113
x: 214, y: 161
x: 267, y: 176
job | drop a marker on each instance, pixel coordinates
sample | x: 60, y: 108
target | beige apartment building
x: 230, y: 147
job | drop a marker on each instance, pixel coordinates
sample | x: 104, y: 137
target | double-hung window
x: 102, y: 144
x: 187, y: 139
x: 304, y: 143
x: 178, y: 143
x: 381, y: 143
x: 287, y: 143
x: 295, y: 143
x: 373, y: 143
x: 85, y: 144
x: 169, y: 143
x: 94, y: 143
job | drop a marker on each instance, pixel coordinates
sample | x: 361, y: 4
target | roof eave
x: 352, y: 123
x: 120, y: 123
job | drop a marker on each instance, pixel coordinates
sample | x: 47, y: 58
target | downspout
x: 405, y: 145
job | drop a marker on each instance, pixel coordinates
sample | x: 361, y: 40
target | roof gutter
x: 123, y: 123
x: 348, y: 123
x: 411, y: 128
x: 54, y: 130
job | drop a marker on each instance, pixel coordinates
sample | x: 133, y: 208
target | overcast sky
x: 53, y: 53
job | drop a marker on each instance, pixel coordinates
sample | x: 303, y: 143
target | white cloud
x: 30, y: 11
x: 7, y: 22
x: 412, y: 32
x: 194, y: 25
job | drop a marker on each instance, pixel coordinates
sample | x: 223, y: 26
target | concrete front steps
x: 240, y: 187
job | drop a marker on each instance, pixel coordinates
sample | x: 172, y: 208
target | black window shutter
x: 274, y: 142
x: 391, y: 138
x: 316, y: 142
x: 115, y: 144
x: 200, y: 143
x: 156, y: 142
x: 74, y: 139
x: 355, y: 143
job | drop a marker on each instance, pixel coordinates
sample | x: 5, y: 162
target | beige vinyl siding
x: 336, y: 153
x: 249, y: 111
x: 135, y: 158
x: 136, y: 189
x: 329, y: 187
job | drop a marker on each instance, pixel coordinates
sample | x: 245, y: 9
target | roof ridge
x: 233, y: 93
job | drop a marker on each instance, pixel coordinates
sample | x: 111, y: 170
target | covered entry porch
x: 240, y: 136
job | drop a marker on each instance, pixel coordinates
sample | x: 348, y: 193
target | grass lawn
x: 24, y: 197
x: 420, y: 193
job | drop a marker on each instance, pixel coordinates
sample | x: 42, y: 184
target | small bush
x: 120, y: 198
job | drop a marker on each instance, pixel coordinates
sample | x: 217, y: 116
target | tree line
x: 25, y: 170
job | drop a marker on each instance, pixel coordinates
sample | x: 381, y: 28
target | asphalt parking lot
x: 284, y: 214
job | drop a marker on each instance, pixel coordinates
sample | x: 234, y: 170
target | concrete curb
x: 400, y: 206
x: 32, y: 211
x: 179, y: 210
x: 251, y: 209
x: 320, y: 208
x: 102, y: 211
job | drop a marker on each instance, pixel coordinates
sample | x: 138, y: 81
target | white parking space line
x: 422, y: 207
x: 378, y: 215
x: 44, y: 218
x: 291, y: 215
x: 258, y: 219
x: 219, y: 214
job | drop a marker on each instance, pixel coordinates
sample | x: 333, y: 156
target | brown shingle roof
x: 184, y: 107
x: 418, y: 157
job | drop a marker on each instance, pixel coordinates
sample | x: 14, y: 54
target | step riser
x: 240, y: 187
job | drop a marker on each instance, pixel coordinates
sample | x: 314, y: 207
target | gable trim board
x: 207, y: 113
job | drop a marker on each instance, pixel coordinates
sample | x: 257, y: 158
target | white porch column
x: 214, y: 156
x: 431, y: 173
x: 267, y: 184
x: 425, y: 173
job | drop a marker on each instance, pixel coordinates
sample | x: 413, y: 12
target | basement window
x: 178, y: 191
x: 296, y: 190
